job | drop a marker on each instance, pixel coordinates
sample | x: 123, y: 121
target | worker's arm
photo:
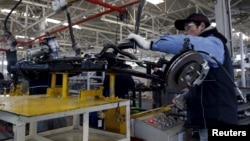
x: 174, y: 43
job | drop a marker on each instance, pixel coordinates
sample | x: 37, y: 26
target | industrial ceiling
x: 104, y: 21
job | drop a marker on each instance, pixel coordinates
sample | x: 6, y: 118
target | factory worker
x: 214, y: 101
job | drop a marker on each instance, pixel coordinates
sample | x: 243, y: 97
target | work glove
x: 141, y: 42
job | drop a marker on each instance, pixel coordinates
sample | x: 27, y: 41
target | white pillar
x: 223, y: 21
x: 242, y: 64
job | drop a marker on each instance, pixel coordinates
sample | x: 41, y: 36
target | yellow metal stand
x: 16, y: 90
x: 90, y: 94
x: 112, y: 86
x: 58, y: 91
x: 4, y: 91
x: 115, y: 120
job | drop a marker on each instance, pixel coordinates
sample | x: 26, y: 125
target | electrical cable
x: 187, y: 45
x: 74, y: 44
x: 220, y: 65
x: 138, y: 20
x: 8, y: 35
x: 138, y: 17
x: 116, y: 32
x: 7, y: 17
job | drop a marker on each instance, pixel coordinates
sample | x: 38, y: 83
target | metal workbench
x: 20, y: 110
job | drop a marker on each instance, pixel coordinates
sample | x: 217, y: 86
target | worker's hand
x: 141, y: 42
x: 179, y: 101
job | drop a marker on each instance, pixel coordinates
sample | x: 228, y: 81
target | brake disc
x: 185, y: 70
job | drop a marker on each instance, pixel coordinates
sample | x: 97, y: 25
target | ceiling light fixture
x: 155, y: 2
x: 20, y: 36
x: 74, y: 26
x: 7, y: 11
x: 23, y: 37
x: 52, y: 21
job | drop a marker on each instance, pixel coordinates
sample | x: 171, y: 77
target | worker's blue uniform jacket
x: 213, y: 102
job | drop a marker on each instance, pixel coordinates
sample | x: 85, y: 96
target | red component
x: 151, y: 121
x: 41, y: 40
x: 108, y: 5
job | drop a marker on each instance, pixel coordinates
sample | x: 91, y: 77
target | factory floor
x: 68, y: 135
x: 76, y: 135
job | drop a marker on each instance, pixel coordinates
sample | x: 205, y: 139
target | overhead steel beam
x: 43, y: 18
x: 85, y: 14
x: 81, y: 21
x: 38, y: 21
x: 44, y: 5
x: 13, y: 19
x: 125, y: 24
x: 79, y: 16
x: 203, y: 5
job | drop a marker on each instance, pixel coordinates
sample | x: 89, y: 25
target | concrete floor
x: 76, y: 135
x: 72, y: 135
